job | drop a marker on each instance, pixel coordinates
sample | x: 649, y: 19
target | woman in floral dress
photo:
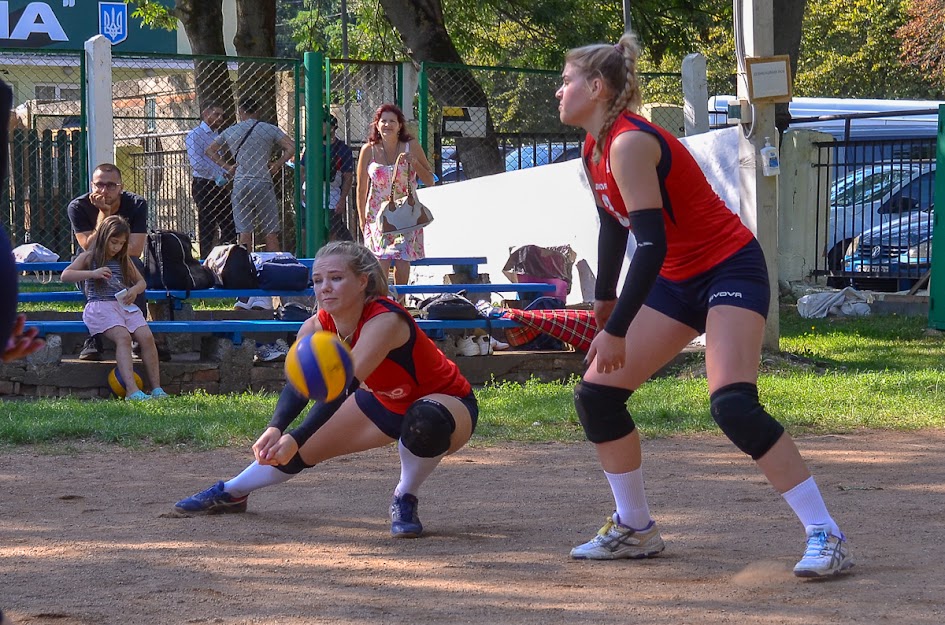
x: 389, y: 138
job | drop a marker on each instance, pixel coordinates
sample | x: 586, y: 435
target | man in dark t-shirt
x: 108, y: 198
x: 339, y: 182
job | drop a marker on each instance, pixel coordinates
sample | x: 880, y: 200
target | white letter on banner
x: 47, y: 23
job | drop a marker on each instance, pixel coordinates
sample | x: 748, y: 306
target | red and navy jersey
x: 701, y: 231
x: 415, y: 369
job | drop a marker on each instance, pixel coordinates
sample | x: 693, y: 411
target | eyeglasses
x: 106, y: 186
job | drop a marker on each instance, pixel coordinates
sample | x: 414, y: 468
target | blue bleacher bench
x: 235, y: 329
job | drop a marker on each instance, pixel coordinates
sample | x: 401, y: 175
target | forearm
x: 319, y: 415
x: 611, y: 249
x: 645, y: 266
x: 290, y: 405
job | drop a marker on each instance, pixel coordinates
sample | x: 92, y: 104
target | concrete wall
x: 798, y: 251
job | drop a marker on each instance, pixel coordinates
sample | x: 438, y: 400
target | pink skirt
x: 102, y: 316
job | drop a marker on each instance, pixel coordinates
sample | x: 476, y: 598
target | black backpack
x: 169, y: 263
x: 448, y: 306
x: 232, y: 267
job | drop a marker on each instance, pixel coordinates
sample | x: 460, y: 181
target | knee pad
x: 603, y: 411
x: 296, y: 465
x: 739, y: 414
x: 427, y: 428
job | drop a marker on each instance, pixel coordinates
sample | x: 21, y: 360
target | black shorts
x: 389, y: 422
x: 740, y: 280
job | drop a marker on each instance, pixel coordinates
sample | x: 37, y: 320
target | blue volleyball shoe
x: 404, y: 522
x: 214, y: 500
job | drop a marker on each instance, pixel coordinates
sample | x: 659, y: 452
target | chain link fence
x: 205, y: 139
x: 486, y: 120
x: 47, y: 147
x: 356, y: 89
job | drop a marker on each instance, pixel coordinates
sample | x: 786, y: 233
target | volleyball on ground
x: 118, y: 385
x: 319, y: 366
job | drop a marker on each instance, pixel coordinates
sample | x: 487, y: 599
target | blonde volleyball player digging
x: 411, y: 393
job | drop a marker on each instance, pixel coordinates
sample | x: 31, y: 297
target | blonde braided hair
x: 617, y: 67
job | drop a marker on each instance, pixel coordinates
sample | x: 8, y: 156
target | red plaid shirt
x: 574, y: 327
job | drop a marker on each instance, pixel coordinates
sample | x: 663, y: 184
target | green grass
x: 832, y: 376
x: 32, y: 287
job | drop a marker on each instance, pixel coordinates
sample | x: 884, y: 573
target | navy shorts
x: 740, y: 280
x: 389, y: 422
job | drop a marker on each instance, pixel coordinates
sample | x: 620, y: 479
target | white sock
x: 630, y: 498
x: 255, y: 476
x: 808, y: 504
x: 414, y: 470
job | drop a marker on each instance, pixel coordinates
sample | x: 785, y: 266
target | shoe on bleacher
x: 260, y: 303
x: 267, y: 353
x: 484, y: 343
x: 497, y: 345
x: 466, y: 346
x: 214, y: 500
x: 91, y: 349
x: 282, y: 347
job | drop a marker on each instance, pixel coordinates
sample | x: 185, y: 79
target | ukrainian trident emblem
x: 113, y: 21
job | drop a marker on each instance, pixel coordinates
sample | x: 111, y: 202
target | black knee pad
x: 603, y: 411
x: 296, y: 465
x: 427, y: 428
x: 739, y: 413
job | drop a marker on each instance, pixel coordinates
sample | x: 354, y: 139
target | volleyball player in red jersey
x: 408, y: 392
x: 695, y: 269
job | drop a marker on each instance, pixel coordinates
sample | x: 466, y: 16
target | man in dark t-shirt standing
x: 108, y: 198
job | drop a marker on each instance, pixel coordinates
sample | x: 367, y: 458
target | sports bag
x: 448, y: 306
x: 169, y: 263
x: 280, y: 272
x: 232, y: 267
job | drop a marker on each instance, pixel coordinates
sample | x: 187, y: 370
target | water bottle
x: 770, y: 163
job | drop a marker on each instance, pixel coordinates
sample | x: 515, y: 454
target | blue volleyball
x: 319, y: 366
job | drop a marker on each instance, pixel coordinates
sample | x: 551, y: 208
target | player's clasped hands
x: 274, y: 448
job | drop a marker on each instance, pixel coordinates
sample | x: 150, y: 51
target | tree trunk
x: 256, y: 37
x: 203, y: 25
x: 420, y: 24
x: 789, y: 17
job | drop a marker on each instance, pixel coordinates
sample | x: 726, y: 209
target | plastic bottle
x: 770, y: 164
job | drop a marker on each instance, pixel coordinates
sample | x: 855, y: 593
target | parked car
x: 522, y: 157
x: 873, y: 195
x: 899, y: 251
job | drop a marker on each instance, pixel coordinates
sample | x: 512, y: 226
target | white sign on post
x: 769, y: 79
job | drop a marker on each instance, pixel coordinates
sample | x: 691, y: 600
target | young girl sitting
x: 108, y: 271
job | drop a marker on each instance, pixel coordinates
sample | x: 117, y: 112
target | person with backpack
x: 250, y: 143
x: 107, y: 198
x: 112, y: 283
x: 696, y: 269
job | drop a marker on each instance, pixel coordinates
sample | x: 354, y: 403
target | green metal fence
x: 47, y: 146
x: 937, y: 288
x: 159, y: 99
x: 477, y: 120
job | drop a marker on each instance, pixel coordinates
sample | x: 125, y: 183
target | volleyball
x: 319, y: 366
x: 118, y: 385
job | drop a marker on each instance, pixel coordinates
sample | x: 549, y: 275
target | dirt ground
x: 89, y: 538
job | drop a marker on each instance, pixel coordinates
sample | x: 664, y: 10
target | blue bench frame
x: 235, y: 329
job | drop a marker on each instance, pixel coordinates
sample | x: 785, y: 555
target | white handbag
x: 405, y: 214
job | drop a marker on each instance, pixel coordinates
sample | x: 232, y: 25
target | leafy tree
x: 923, y: 39
x: 850, y: 49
